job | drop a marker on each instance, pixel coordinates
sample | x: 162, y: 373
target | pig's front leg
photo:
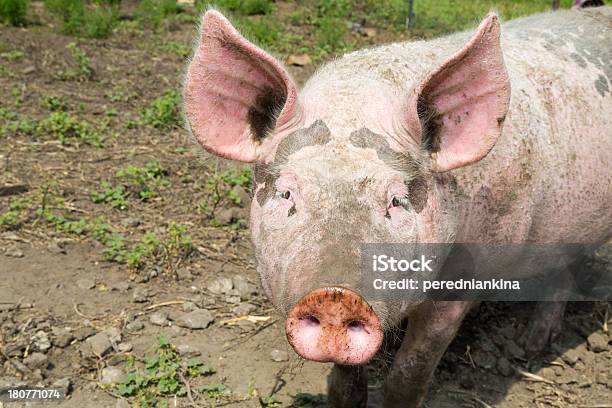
x: 431, y: 328
x: 347, y: 387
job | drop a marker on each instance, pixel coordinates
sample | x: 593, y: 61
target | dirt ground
x: 58, y: 295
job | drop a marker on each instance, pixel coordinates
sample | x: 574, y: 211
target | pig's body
x: 549, y: 176
x: 413, y: 142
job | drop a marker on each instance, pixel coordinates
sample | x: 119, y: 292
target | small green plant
x: 12, y: 123
x: 165, y: 111
x: 83, y: 70
x: 80, y: 19
x: 113, y: 196
x: 269, y: 402
x: 13, y: 55
x: 13, y: 11
x: 153, y: 12
x: 146, y: 180
x: 330, y: 34
x: 53, y: 103
x: 68, y: 128
x: 263, y: 31
x: 162, y: 374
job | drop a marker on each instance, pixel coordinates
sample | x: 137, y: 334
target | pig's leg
x: 430, y: 330
x: 347, y: 387
x: 544, y: 327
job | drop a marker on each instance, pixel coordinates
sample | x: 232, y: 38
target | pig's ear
x: 457, y: 112
x: 236, y: 94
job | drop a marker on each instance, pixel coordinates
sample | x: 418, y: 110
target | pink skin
x: 525, y: 169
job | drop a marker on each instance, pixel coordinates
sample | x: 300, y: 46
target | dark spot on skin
x: 364, y: 138
x: 578, y: 60
x: 291, y: 211
x: 263, y: 112
x: 417, y: 193
x: 317, y: 134
x: 431, y: 124
x: 500, y: 121
x: 601, y: 84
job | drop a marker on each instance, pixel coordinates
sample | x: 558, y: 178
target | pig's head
x: 344, y: 162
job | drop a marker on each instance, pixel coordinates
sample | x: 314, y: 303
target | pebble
x: 243, y: 309
x: 198, y: 319
x: 55, y: 248
x: 571, y: 356
x: 232, y: 299
x: 124, y: 347
x: 111, y: 375
x: 14, y: 252
x: 63, y: 384
x: 140, y: 295
x: 220, y: 286
x: 61, y: 338
x: 86, y: 283
x: 188, y: 307
x: 114, y: 334
x: 36, y: 360
x: 131, y: 222
x: 547, y: 373
x: 597, y: 343
x: 84, y: 332
x: 99, y: 344
x: 121, y: 286
x: 242, y: 287
x: 483, y: 359
x: 227, y: 215
x: 188, y: 350
x: 134, y: 326
x: 41, y: 341
x: 279, y: 355
x: 159, y: 319
x: 184, y: 274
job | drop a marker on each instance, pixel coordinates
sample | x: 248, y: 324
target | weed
x: 13, y: 123
x: 269, y: 402
x: 152, y: 12
x: 219, y: 191
x: 165, y: 111
x: 13, y: 55
x: 252, y: 7
x: 95, y: 20
x: 163, y: 374
x: 330, y: 34
x: 13, y: 11
x: 6, y: 72
x: 68, y: 128
x: 113, y: 196
x: 307, y: 400
x: 144, y: 181
x: 53, y: 104
x: 83, y: 70
x: 265, y: 32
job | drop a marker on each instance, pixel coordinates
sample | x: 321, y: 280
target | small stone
x: 134, y: 326
x: 99, y: 344
x: 36, y: 360
x: 41, y: 341
x: 243, y: 309
x: 279, y: 355
x: 55, y: 248
x: 187, y: 350
x: 124, y: 347
x: 233, y: 299
x: 140, y: 295
x: 483, y: 359
x: 597, y: 343
x: 84, y: 332
x: 29, y: 70
x: 242, y: 287
x: 159, y: 319
x: 228, y: 215
x: 86, y: 284
x: 547, y: 373
x: 198, y: 319
x: 244, y: 198
x: 121, y: 286
x: 131, y: 222
x: 114, y: 334
x: 14, y: 252
x: 220, y: 286
x: 63, y: 384
x: 246, y: 325
x: 571, y: 356
x: 111, y: 375
x: 61, y: 338
x: 184, y: 274
x: 504, y: 367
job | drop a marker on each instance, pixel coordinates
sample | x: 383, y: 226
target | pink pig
x: 409, y: 142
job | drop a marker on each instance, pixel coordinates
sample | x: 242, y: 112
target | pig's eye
x: 400, y: 202
x: 283, y: 194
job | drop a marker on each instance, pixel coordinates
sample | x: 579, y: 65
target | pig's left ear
x: 458, y: 111
x: 236, y: 94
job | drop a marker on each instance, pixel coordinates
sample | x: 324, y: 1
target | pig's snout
x: 334, y: 324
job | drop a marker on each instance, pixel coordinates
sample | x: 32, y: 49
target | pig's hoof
x: 544, y: 327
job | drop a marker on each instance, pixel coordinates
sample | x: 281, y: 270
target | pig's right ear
x: 237, y: 97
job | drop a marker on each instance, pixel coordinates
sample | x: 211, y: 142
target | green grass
x: 80, y: 19
x: 13, y: 11
x: 153, y: 12
x: 69, y: 129
x: 162, y: 374
x: 82, y: 69
x: 165, y: 111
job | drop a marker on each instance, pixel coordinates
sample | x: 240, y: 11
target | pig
x: 403, y: 143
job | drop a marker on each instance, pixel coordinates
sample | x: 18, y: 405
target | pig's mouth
x: 334, y: 324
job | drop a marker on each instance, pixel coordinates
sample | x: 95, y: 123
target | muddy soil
x: 58, y: 295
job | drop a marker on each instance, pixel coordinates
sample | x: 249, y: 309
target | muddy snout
x: 334, y: 324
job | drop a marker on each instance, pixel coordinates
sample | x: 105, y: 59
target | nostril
x: 357, y: 326
x: 310, y: 320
